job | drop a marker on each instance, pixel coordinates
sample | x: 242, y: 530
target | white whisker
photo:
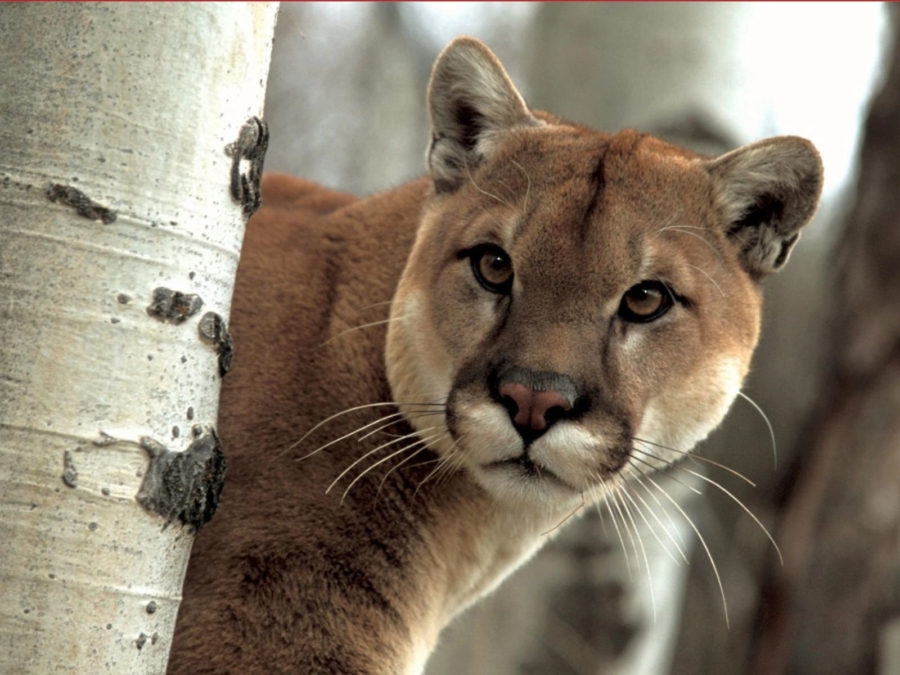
x: 649, y: 526
x: 453, y: 463
x: 509, y: 191
x: 656, y: 468
x: 394, y: 404
x: 600, y: 513
x: 397, y: 466
x: 696, y: 458
x: 484, y: 192
x: 683, y: 546
x: 348, y: 435
x: 703, y: 542
x: 741, y: 504
x: 370, y: 453
x: 375, y: 304
x: 365, y: 325
x: 527, y: 189
x: 405, y: 448
x: 442, y: 462
x: 640, y: 539
x: 768, y: 424
x: 445, y: 465
x: 724, y: 490
x: 409, y: 414
x: 683, y: 229
x: 612, y: 515
x: 560, y: 523
x: 700, y: 269
x: 611, y: 497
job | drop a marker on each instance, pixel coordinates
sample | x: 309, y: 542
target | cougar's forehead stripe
x: 597, y: 184
x: 575, y: 190
x: 622, y: 149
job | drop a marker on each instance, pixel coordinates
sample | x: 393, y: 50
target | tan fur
x: 287, y: 578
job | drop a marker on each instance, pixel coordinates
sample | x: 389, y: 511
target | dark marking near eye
x: 70, y: 473
x: 141, y: 641
x: 184, y: 485
x: 247, y: 156
x: 173, y: 306
x: 213, y: 331
x: 83, y: 205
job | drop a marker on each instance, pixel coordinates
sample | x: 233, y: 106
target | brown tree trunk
x: 831, y: 606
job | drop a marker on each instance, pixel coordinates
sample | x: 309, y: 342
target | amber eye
x: 646, y: 301
x: 493, y: 268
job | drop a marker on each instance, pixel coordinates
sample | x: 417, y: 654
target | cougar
x: 430, y: 380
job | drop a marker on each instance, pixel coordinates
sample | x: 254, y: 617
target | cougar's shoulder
x: 266, y: 589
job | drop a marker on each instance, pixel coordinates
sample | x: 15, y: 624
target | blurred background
x: 345, y: 105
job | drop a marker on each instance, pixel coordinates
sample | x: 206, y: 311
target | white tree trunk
x: 115, y: 183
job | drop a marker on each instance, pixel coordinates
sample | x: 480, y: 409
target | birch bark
x: 120, y: 213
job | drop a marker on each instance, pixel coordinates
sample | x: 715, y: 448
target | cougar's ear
x: 471, y: 102
x: 769, y: 190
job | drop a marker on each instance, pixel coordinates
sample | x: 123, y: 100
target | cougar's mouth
x: 523, y: 467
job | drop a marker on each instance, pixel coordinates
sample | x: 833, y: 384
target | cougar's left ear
x: 768, y: 190
x: 471, y: 102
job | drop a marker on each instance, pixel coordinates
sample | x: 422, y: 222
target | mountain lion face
x: 585, y: 304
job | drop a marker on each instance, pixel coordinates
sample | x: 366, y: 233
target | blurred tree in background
x: 834, y: 607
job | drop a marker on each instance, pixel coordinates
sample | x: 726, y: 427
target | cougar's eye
x: 646, y: 301
x: 493, y: 268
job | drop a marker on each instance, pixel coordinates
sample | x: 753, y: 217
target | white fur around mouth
x: 520, y: 478
x: 526, y: 468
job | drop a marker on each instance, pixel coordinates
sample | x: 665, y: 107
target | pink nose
x: 532, y: 406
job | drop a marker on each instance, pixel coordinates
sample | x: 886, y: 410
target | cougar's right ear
x: 471, y: 102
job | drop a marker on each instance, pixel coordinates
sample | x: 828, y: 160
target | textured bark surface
x: 830, y: 608
x: 124, y: 180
